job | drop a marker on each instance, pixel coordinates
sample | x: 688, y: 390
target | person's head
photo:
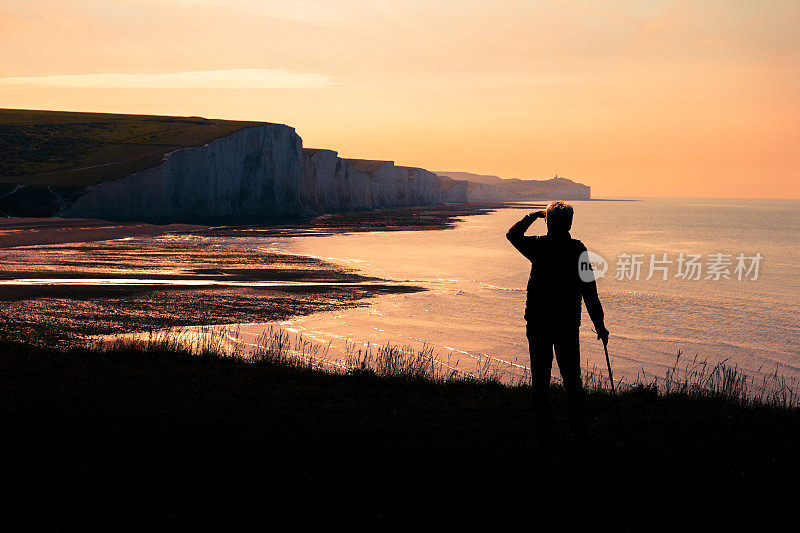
x: 559, y: 217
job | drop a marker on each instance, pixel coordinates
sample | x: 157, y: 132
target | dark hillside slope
x: 66, y: 149
x: 134, y: 439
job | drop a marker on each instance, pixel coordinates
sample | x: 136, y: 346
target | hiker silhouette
x: 553, y: 311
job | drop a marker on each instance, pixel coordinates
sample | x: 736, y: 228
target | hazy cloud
x: 255, y: 78
x: 314, y: 12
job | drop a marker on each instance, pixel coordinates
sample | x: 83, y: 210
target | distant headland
x: 556, y: 188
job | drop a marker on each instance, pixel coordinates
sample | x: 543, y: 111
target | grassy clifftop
x: 78, y: 149
x: 150, y: 438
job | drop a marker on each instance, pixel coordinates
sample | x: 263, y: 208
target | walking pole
x: 608, y: 362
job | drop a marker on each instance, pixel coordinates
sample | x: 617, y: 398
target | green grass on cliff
x: 78, y: 149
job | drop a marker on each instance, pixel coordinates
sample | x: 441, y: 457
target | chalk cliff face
x: 259, y: 172
x: 330, y: 183
x: 455, y: 191
x: 481, y: 192
x: 417, y: 186
x: 254, y: 172
x: 264, y: 172
x: 471, y: 192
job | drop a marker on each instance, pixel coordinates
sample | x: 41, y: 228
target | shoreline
x: 16, y: 232
x: 107, y: 287
x: 28, y: 231
x: 66, y: 279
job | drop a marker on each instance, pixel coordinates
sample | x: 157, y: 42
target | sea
x: 682, y: 281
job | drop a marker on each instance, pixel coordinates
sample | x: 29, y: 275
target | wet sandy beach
x: 64, y: 279
x: 34, y: 231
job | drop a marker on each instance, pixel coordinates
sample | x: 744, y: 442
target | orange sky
x: 636, y: 98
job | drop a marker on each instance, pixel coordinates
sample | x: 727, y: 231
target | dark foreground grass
x: 134, y: 438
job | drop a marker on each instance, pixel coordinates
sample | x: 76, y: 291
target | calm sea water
x: 476, y: 283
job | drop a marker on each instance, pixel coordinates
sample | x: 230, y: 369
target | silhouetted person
x: 553, y: 311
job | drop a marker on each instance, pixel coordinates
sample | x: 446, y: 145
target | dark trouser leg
x: 568, y: 356
x: 541, y: 351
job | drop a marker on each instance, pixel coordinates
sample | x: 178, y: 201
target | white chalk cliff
x: 472, y: 192
x: 253, y: 172
x: 258, y: 172
x: 264, y: 172
x: 331, y: 183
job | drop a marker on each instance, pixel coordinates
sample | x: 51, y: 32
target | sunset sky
x: 635, y: 98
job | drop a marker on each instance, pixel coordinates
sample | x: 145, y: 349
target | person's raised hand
x: 537, y: 214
